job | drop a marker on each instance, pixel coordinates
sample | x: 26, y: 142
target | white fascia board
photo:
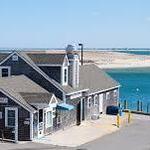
x: 7, y: 57
x: 53, y: 96
x: 105, y: 90
x: 77, y: 92
x: 28, y: 108
x: 41, y: 72
x: 66, y: 57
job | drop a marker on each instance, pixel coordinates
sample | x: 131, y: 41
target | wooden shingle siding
x: 23, y: 129
x: 21, y: 67
x: 111, y: 100
x: 53, y: 72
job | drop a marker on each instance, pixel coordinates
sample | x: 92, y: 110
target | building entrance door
x: 83, y: 109
x: 41, y: 123
x: 79, y: 113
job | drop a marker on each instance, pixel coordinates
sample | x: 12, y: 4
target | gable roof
x: 37, y: 97
x: 66, y: 89
x: 21, y: 83
x: 3, y: 56
x: 32, y: 64
x: 46, y: 58
x: 95, y: 79
x: 24, y: 90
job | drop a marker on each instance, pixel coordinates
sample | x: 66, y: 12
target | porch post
x: 31, y: 126
x: 16, y: 125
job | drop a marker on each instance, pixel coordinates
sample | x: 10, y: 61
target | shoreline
x: 116, y: 60
x: 112, y: 59
x: 124, y: 67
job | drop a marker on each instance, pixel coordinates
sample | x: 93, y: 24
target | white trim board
x: 38, y: 70
x: 79, y: 91
x: 43, y: 74
x: 101, y: 91
x: 16, y: 120
x: 28, y: 108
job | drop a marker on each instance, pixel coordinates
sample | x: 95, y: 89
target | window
x: 65, y: 75
x: 54, y: 112
x: 89, y: 102
x: 59, y: 119
x: 15, y: 58
x: 95, y: 100
x: 107, y: 96
x: 48, y: 119
x: 40, y: 115
x: 10, y: 117
x: 5, y: 71
x: 115, y: 93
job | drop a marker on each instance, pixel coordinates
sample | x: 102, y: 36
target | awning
x: 65, y: 106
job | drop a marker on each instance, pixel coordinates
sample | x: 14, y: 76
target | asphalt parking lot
x: 135, y: 136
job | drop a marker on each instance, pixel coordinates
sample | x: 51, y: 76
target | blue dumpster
x: 112, y: 110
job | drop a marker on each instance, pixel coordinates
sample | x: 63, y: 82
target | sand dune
x: 105, y: 59
x: 116, y: 59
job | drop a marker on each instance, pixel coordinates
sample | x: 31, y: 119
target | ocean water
x: 135, y: 85
x: 137, y: 52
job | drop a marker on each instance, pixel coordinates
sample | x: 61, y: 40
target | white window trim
x: 5, y: 67
x: 45, y: 111
x: 63, y: 75
x: 49, y: 125
x: 89, y: 101
x: 6, y: 116
x: 107, y: 95
x: 14, y: 57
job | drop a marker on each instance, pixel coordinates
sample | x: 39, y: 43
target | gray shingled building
x: 42, y: 92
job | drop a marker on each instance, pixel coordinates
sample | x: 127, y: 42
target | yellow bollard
x: 118, y: 120
x: 129, y: 116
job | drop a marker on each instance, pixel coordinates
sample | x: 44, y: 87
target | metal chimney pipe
x: 81, y: 45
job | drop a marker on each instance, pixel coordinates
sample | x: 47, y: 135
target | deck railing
x: 138, y: 106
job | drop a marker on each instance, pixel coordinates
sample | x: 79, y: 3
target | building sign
x: 27, y: 121
x: 3, y: 100
x: 75, y: 95
x: 40, y: 126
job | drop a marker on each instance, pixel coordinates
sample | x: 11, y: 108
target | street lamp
x: 81, y: 45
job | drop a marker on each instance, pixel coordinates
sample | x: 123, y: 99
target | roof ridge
x: 44, y: 74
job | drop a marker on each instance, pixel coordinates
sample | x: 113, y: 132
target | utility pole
x: 81, y: 45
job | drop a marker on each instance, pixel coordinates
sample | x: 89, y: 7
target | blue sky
x: 55, y: 23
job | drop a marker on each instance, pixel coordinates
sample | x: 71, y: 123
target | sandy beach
x: 116, y: 59
x: 109, y: 59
